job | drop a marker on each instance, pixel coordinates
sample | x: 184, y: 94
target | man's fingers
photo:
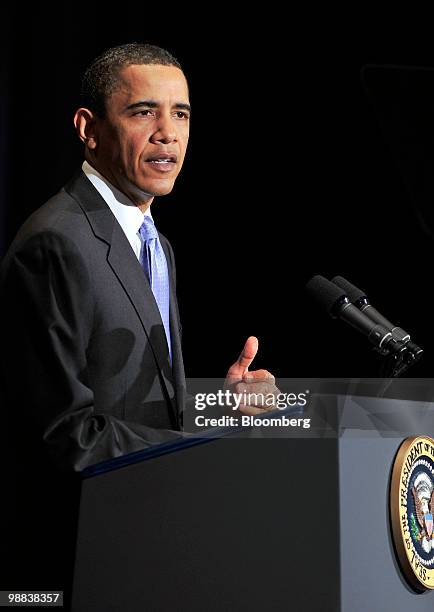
x: 264, y: 388
x: 247, y: 355
x: 259, y: 376
x: 252, y: 410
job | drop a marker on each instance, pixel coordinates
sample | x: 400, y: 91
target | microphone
x: 361, y: 301
x: 336, y: 302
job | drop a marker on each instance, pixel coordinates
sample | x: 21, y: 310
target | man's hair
x: 101, y: 78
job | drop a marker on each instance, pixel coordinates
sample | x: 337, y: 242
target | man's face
x: 140, y: 144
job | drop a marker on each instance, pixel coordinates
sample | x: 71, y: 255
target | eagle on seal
x: 423, y: 495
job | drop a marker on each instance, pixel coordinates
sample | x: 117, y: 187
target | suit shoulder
x: 60, y: 217
x: 51, y: 214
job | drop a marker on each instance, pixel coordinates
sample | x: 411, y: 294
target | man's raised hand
x: 257, y: 385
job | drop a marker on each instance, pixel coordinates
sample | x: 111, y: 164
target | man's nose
x: 165, y: 132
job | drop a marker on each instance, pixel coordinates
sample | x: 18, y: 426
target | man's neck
x: 138, y: 198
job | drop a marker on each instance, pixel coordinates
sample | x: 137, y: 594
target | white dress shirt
x: 128, y: 215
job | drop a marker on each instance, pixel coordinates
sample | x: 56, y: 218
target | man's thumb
x: 246, y: 357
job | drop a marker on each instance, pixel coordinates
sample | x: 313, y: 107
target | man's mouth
x: 162, y: 163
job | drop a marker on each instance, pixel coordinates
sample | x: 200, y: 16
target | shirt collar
x: 128, y: 215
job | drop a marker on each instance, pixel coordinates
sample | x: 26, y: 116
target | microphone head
x: 353, y: 292
x: 325, y: 293
x: 415, y: 350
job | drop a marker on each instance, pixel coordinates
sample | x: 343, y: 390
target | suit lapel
x: 130, y: 274
x: 175, y: 326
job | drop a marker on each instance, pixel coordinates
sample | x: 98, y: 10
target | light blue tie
x: 154, y: 263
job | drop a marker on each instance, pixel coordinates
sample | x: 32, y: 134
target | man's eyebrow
x: 148, y: 103
x: 153, y: 104
x: 183, y: 106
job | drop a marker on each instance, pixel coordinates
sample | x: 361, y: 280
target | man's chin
x: 155, y: 189
x: 159, y: 192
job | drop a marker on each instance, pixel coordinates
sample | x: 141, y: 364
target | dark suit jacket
x: 84, y: 350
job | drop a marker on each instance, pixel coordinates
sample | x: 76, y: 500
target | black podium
x: 254, y: 521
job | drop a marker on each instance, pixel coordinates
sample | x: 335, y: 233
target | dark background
x: 297, y: 166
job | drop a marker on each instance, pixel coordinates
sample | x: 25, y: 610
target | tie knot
x: 147, y: 229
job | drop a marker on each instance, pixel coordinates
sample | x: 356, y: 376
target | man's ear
x: 85, y: 123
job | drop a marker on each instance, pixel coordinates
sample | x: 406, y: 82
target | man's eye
x: 144, y: 113
x: 182, y: 115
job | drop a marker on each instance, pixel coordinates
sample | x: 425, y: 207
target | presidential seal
x: 412, y: 508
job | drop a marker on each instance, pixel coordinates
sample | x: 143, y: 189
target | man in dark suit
x: 92, y: 343
x: 91, y: 355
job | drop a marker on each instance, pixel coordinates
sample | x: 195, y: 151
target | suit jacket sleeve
x: 47, y: 316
